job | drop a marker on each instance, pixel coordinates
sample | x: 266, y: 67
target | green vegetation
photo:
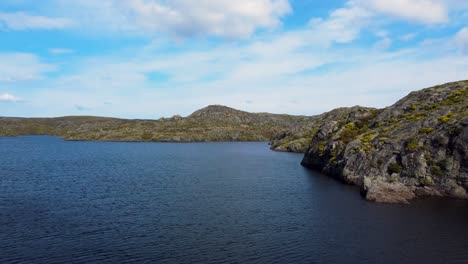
x: 349, y: 133
x: 147, y: 136
x: 426, y: 130
x: 393, y: 179
x: 456, y: 97
x: 427, y: 181
x: 412, y: 146
x: 416, y: 116
x: 437, y: 171
x: 368, y: 137
x: 394, y: 168
x: 443, y: 164
x: 445, y: 119
x: 321, y: 149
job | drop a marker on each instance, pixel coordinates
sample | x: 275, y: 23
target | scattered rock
x: 379, y: 191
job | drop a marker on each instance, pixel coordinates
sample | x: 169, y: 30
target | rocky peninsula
x: 416, y: 147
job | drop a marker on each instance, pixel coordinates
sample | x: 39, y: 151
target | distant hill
x: 213, y: 123
x: 416, y: 147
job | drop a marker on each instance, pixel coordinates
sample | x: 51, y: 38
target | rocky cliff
x: 213, y: 123
x: 416, y: 147
x: 298, y: 138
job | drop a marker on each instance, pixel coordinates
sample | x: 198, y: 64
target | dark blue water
x: 87, y: 202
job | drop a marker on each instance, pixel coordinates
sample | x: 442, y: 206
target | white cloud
x: 295, y: 72
x: 461, y: 39
x: 17, y: 67
x: 180, y: 18
x: 24, y: 21
x: 422, y: 11
x: 6, y: 97
x: 277, y: 73
x: 58, y: 51
x: 408, y: 37
x: 383, y: 44
x: 344, y: 24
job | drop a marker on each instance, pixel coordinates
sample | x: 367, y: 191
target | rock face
x: 298, y: 138
x: 416, y: 147
x: 213, y: 123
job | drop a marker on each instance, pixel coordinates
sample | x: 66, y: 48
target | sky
x: 157, y: 58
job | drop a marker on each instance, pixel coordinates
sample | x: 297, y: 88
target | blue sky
x: 155, y: 58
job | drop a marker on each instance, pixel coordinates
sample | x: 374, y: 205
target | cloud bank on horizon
x: 154, y: 58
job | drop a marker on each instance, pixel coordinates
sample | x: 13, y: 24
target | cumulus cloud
x: 181, y: 18
x: 316, y: 78
x: 344, y: 24
x: 250, y: 75
x: 24, y: 21
x: 6, y: 97
x: 422, y: 11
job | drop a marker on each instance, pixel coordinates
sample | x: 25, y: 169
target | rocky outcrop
x: 298, y: 138
x: 416, y: 147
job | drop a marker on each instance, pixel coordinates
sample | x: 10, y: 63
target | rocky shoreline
x: 417, y: 147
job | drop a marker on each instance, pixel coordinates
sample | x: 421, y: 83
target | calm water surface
x: 94, y: 202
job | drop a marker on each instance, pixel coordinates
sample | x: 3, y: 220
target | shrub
x: 412, y: 145
x: 427, y: 181
x: 445, y: 119
x: 437, y: 171
x: 443, y: 164
x: 366, y: 148
x: 380, y: 161
x: 426, y: 130
x: 349, y: 133
x: 416, y: 116
x: 394, y: 179
x: 456, y: 97
x: 321, y: 149
x: 367, y: 138
x: 394, y: 168
x: 376, y: 124
x: 147, y: 136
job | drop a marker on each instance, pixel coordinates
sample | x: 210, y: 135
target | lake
x: 85, y: 202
